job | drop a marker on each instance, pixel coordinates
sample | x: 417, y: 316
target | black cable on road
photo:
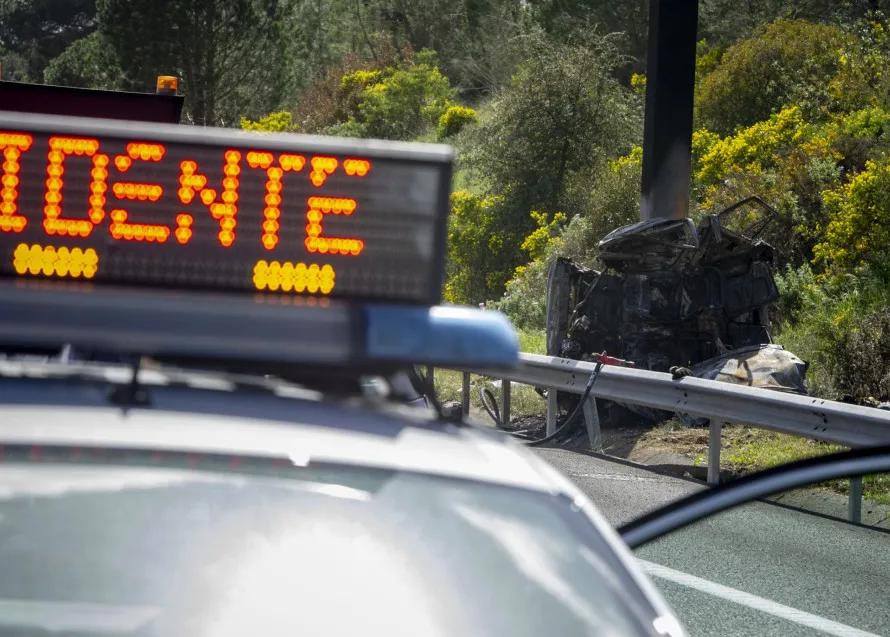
x: 570, y: 421
x: 486, y: 396
x: 490, y: 404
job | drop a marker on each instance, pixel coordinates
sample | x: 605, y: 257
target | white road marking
x: 753, y: 601
x: 620, y: 477
x: 74, y: 617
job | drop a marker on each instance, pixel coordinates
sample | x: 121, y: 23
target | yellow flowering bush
x: 453, y: 120
x: 280, y: 122
x: 859, y: 227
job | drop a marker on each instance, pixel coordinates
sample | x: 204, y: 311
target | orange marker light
x: 12, y: 145
x: 60, y: 148
x: 167, y: 85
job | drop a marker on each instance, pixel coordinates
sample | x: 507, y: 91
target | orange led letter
x: 191, y: 181
x: 274, y: 185
x: 320, y: 206
x: 12, y: 145
x: 59, y: 148
x: 120, y: 227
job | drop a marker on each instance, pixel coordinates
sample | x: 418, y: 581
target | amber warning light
x: 179, y: 207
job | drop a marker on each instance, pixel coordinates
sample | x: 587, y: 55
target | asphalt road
x: 759, y: 570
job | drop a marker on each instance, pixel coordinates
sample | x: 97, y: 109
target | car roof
x: 304, y: 426
x: 301, y: 425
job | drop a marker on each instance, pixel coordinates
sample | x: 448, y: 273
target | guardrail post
x: 854, y: 505
x: 465, y: 394
x: 592, y: 420
x: 505, y: 402
x: 551, y: 410
x: 714, y: 442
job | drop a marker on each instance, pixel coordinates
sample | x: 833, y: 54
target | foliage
x: 87, y: 63
x: 615, y: 202
x: 859, y: 227
x: 226, y: 52
x: 564, y: 114
x: 404, y: 101
x: 540, y: 145
x: 638, y: 84
x: 480, y: 256
x: 564, y: 19
x: 14, y: 65
x: 327, y: 101
x: 787, y: 62
x: 830, y: 321
x: 396, y: 98
x: 797, y: 166
x: 862, y: 367
x: 453, y: 120
x: 280, y: 122
x: 33, y: 32
x: 538, y: 242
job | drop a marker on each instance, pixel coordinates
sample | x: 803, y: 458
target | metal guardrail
x: 840, y: 423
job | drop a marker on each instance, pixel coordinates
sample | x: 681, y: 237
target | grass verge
x: 749, y: 449
x: 524, y: 400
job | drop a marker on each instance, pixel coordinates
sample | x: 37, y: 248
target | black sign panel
x: 182, y: 207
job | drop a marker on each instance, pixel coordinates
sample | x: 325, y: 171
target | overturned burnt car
x: 672, y: 294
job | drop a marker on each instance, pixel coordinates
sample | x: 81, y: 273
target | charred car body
x: 672, y: 294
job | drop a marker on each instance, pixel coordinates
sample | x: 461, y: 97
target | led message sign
x: 178, y: 207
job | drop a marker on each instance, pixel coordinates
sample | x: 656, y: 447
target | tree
x: 562, y: 18
x: 87, y: 63
x: 788, y: 62
x: 403, y: 101
x: 542, y: 142
x: 226, y: 52
x: 563, y: 115
x: 726, y: 21
x: 468, y: 35
x: 33, y: 32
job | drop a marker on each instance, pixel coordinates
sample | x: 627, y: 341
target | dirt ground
x: 667, y: 448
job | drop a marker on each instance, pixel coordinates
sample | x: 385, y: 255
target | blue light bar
x: 290, y: 330
x: 452, y: 336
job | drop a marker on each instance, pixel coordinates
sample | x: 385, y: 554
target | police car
x: 199, y: 429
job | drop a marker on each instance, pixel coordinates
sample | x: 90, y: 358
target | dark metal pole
x: 670, y: 86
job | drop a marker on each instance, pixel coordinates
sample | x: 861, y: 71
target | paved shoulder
x: 621, y: 491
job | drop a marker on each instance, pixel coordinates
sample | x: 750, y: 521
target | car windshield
x: 155, y: 551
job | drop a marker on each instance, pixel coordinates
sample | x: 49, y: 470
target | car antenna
x: 132, y: 394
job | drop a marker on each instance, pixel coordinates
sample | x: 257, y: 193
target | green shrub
x: 825, y: 319
x: 862, y: 360
x: 614, y: 202
x: 480, y: 251
x: 787, y: 62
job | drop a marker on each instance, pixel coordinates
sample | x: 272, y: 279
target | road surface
x: 758, y: 570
